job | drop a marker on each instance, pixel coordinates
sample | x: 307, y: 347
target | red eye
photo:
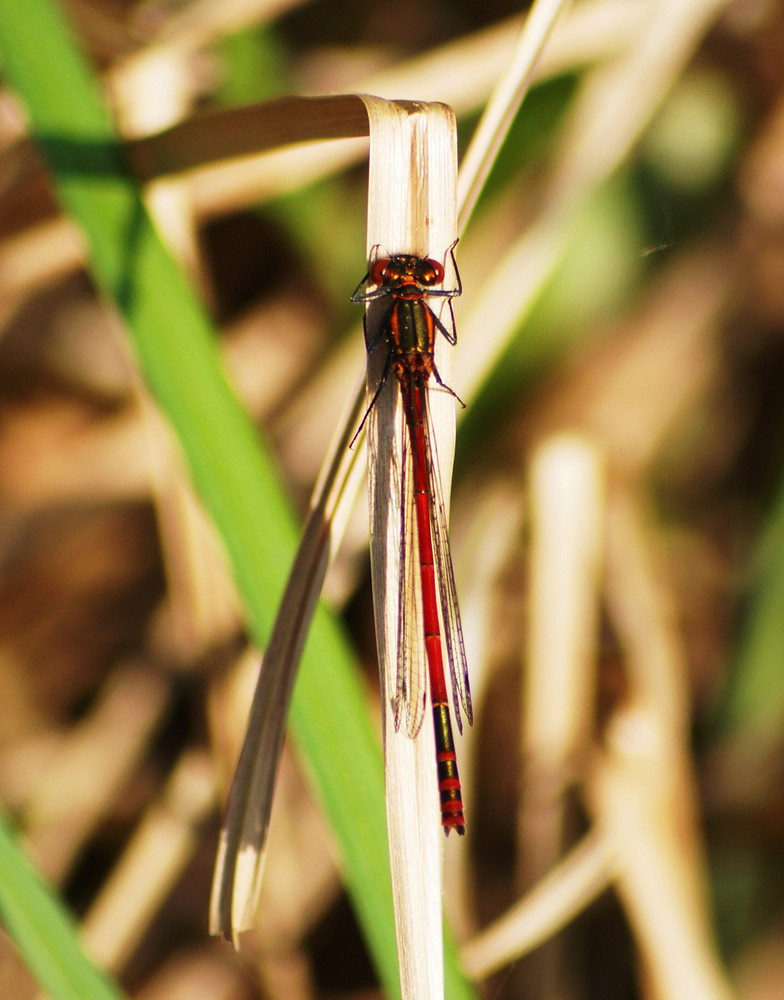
x: 378, y: 272
x: 430, y: 272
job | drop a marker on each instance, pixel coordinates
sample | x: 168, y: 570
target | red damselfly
x: 407, y: 330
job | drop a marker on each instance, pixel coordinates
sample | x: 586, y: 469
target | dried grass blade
x: 504, y: 104
x: 224, y: 133
x: 624, y: 93
x: 563, y: 893
x: 240, y: 862
x: 411, y: 209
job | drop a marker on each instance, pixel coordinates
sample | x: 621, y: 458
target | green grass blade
x: 175, y: 344
x: 44, y: 931
x: 752, y: 709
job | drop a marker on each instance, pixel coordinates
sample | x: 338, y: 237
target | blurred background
x: 623, y: 282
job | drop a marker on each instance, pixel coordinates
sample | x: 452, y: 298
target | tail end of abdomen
x: 452, y: 817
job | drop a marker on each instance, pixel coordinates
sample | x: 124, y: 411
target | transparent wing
x: 411, y: 678
x: 450, y: 611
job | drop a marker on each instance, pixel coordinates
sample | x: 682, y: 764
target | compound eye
x: 430, y: 272
x: 379, y: 271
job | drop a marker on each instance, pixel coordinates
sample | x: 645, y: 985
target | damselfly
x: 408, y: 329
